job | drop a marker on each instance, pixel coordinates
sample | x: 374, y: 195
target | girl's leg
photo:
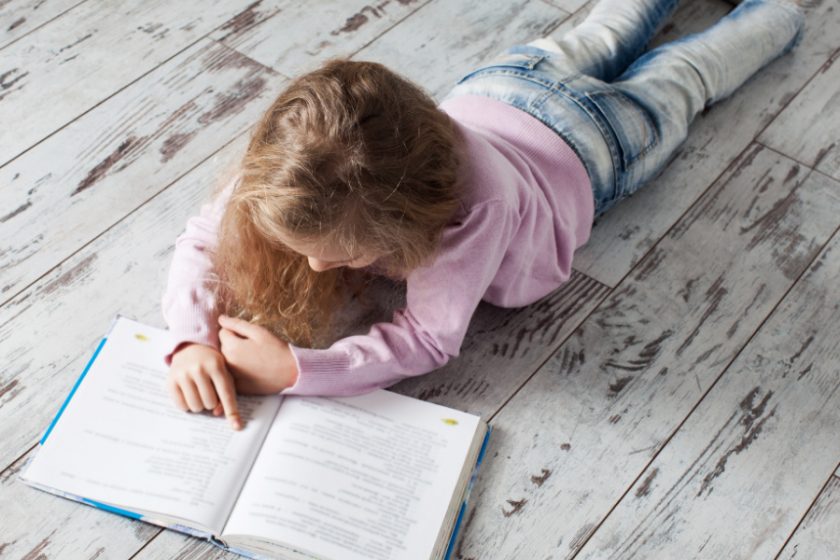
x: 611, y: 37
x: 677, y: 80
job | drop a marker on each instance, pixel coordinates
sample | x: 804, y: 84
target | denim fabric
x: 622, y: 110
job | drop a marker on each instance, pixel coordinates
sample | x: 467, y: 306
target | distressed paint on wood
x: 19, y: 17
x: 503, y: 347
x: 626, y: 233
x: 732, y: 483
x: 56, y: 73
x: 809, y: 128
x: 610, y: 397
x: 312, y: 34
x: 447, y: 39
x: 92, y: 173
x: 816, y: 537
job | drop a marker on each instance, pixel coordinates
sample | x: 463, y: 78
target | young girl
x: 485, y: 196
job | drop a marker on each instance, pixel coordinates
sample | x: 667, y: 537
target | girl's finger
x: 240, y: 326
x: 206, y: 391
x: 226, y: 390
x: 177, y: 396
x: 191, y: 395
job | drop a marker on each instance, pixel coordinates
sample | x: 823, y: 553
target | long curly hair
x: 352, y: 155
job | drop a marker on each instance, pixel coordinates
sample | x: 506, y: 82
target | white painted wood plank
x: 746, y: 466
x: 61, y: 70
x: 36, y: 524
x: 623, y: 235
x: 444, y: 40
x: 808, y: 130
x: 569, y: 444
x: 311, y: 34
x: 19, y: 17
x: 819, y: 534
x: 89, y: 175
x: 568, y: 5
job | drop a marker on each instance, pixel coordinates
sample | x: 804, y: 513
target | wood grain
x: 19, y: 17
x: 92, y: 173
x: 809, y: 128
x: 816, y: 537
x: 301, y: 36
x: 59, y: 71
x: 589, y: 421
x: 448, y: 38
x: 627, y: 232
x: 732, y: 483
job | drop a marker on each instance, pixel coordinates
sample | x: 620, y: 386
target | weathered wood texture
x: 809, y: 128
x: 570, y: 443
x: 302, y: 35
x: 89, y: 175
x: 447, y: 39
x: 623, y: 235
x: 638, y: 410
x: 59, y: 71
x: 736, y: 468
x: 816, y: 537
x: 19, y: 17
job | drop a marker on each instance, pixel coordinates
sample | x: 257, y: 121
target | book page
x: 367, y: 477
x: 122, y: 440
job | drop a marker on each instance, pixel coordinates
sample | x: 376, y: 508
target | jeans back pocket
x: 628, y: 125
x: 510, y: 62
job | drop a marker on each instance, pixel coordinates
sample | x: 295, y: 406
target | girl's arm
x: 441, y: 299
x: 189, y: 303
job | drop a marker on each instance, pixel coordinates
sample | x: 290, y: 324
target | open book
x: 370, y: 477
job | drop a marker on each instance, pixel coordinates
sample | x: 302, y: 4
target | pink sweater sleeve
x: 441, y: 299
x: 188, y: 303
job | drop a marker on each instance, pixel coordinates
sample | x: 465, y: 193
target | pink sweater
x: 527, y: 206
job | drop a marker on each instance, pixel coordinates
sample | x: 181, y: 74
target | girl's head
x: 351, y: 165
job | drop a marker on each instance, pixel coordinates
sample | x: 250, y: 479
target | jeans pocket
x: 512, y: 62
x: 628, y: 125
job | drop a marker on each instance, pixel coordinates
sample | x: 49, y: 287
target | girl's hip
x: 611, y: 133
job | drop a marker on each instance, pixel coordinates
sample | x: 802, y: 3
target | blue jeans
x: 623, y: 112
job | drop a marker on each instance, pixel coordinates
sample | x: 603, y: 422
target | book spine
x: 470, y: 484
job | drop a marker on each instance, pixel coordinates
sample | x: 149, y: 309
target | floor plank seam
x: 13, y: 41
x: 800, y: 162
x: 124, y: 217
x: 807, y: 511
x: 205, y: 37
x: 364, y: 46
x: 757, y: 330
x: 834, y: 54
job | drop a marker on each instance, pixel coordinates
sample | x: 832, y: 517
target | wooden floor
x: 677, y: 398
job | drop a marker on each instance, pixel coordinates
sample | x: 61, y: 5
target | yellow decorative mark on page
x: 141, y: 336
x: 450, y: 421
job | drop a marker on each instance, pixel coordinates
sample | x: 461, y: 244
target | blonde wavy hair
x: 353, y: 155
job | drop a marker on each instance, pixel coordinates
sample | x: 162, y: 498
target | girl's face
x: 326, y: 257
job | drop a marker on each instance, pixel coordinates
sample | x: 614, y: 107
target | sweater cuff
x: 200, y: 335
x: 320, y: 372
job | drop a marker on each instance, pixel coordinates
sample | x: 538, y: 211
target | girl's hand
x: 260, y: 362
x: 199, y: 380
